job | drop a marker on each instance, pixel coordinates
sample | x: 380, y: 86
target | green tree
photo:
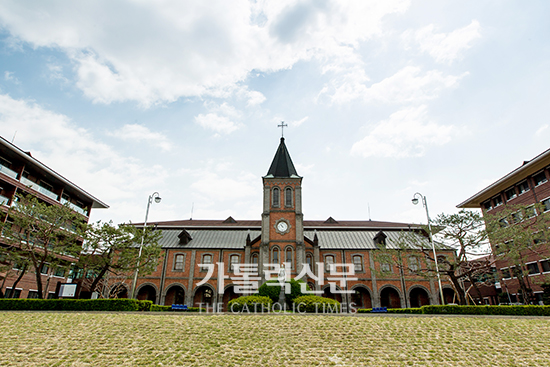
x: 114, y: 250
x: 516, y: 232
x: 37, y: 234
x: 462, y: 232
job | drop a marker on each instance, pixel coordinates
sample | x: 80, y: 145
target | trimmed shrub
x: 249, y: 304
x: 316, y: 304
x: 121, y: 304
x: 273, y: 291
x: 528, y: 310
x: 160, y: 308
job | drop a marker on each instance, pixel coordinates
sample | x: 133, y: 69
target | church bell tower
x: 282, y: 237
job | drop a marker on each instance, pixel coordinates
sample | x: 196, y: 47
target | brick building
x: 282, y: 235
x: 20, y: 173
x: 526, y: 185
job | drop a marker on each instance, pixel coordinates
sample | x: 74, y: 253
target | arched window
x: 206, y: 259
x: 288, y: 197
x: 358, y: 263
x: 275, y: 256
x: 309, y: 261
x: 178, y: 262
x: 413, y: 264
x: 233, y: 260
x: 276, y: 197
x: 288, y: 256
x: 329, y: 262
x: 254, y: 258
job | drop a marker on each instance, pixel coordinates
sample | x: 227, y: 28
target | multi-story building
x: 282, y: 235
x: 526, y: 185
x: 20, y: 173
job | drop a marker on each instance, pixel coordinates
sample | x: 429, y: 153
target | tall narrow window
x: 358, y: 263
x: 233, y: 259
x: 288, y: 257
x: 178, y: 262
x: 275, y: 256
x: 309, y: 261
x: 329, y: 262
x: 413, y: 264
x: 276, y: 197
x: 206, y: 259
x: 254, y: 258
x: 288, y: 197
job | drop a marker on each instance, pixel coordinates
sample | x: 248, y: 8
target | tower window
x: 276, y: 197
x: 288, y: 256
x: 254, y: 258
x: 288, y: 197
x: 275, y: 256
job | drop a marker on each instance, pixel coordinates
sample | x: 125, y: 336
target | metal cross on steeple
x: 282, y: 126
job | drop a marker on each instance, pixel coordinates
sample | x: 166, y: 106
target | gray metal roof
x: 348, y: 240
x: 341, y: 240
x: 209, y: 238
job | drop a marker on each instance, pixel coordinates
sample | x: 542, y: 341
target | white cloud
x: 219, y: 188
x: 140, y: 133
x: 446, y: 47
x: 406, y: 85
x: 217, y: 123
x: 407, y: 133
x: 76, y: 154
x: 165, y: 50
x: 9, y: 76
x: 541, y: 129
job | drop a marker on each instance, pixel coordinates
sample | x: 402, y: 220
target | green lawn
x: 151, y: 339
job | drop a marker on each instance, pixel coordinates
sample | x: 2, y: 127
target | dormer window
x: 288, y: 197
x: 276, y: 199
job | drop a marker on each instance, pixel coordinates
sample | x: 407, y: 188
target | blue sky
x: 382, y: 98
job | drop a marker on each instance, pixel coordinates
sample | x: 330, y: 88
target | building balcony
x: 75, y: 207
x: 37, y: 187
x: 4, y: 200
x: 8, y: 172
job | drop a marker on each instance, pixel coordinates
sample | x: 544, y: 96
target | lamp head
x: 415, y: 200
x: 157, y: 199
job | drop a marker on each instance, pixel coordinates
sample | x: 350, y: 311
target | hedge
x: 393, y: 310
x: 316, y: 304
x: 272, y: 291
x: 252, y: 303
x: 120, y: 304
x: 528, y: 310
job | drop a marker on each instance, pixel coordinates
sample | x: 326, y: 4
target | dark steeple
x: 282, y: 165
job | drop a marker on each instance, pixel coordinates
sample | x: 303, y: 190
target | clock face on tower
x: 282, y: 226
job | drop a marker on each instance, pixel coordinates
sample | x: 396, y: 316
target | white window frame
x: 543, y: 181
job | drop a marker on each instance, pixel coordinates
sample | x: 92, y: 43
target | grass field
x: 141, y: 339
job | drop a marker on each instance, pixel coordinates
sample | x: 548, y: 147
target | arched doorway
x: 419, y: 297
x: 204, y: 295
x: 389, y: 297
x: 335, y: 296
x: 228, y: 295
x: 119, y: 290
x: 361, y: 297
x: 147, y: 293
x: 175, y: 295
x: 449, y: 295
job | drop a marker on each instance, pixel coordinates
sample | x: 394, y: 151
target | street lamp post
x: 425, y: 204
x: 155, y: 196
